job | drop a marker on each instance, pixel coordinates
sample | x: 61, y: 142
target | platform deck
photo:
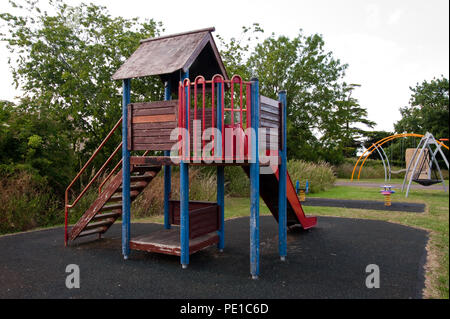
x: 167, y: 241
x: 167, y: 160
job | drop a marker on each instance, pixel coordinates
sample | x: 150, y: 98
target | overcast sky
x: 389, y: 45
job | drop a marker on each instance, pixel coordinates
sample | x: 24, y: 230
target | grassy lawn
x: 373, y: 180
x: 379, y: 180
x: 435, y: 220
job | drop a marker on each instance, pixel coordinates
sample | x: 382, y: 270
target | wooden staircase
x: 107, y: 207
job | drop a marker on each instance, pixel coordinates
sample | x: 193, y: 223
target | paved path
x: 365, y: 204
x: 396, y: 186
x: 328, y: 261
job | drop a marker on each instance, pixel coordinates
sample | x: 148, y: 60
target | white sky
x: 389, y: 45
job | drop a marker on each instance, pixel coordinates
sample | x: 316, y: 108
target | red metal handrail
x: 184, y: 92
x: 67, y: 206
x: 112, y: 173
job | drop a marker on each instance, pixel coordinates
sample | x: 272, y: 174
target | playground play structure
x: 302, y: 191
x: 226, y: 108
x: 423, y: 168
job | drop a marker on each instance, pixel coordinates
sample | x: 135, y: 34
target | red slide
x: 268, y: 188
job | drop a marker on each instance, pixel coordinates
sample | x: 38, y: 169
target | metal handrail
x: 112, y: 173
x: 67, y: 206
x: 109, y: 176
x: 185, y: 89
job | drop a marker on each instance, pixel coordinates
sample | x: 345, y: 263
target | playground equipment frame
x: 381, y: 142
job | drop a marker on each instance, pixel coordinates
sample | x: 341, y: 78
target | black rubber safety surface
x: 365, y: 204
x: 328, y: 261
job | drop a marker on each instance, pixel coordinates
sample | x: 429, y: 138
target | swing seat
x: 427, y: 182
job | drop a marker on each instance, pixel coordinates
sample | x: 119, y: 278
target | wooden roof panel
x: 166, y: 55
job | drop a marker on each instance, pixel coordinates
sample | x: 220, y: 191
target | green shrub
x: 319, y: 175
x: 26, y: 202
x: 237, y: 184
x: 202, y: 186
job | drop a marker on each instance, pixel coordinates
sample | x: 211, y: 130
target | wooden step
x: 145, y: 177
x: 115, y: 214
x: 105, y: 222
x: 118, y: 196
x: 135, y: 186
x: 93, y: 231
x: 111, y: 207
x: 144, y: 168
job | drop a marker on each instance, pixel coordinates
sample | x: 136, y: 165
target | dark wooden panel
x: 151, y: 160
x: 154, y: 126
x: 269, y: 124
x: 154, y: 118
x: 167, y: 241
x: 158, y: 111
x: 269, y: 117
x: 203, y: 217
x: 148, y: 133
x: 153, y: 147
x: 152, y: 140
x: 269, y: 109
x: 129, y: 137
x: 151, y: 125
x: 156, y: 104
x: 268, y: 101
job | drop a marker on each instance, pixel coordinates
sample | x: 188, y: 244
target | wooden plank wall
x: 204, y: 217
x: 270, y: 119
x: 150, y: 124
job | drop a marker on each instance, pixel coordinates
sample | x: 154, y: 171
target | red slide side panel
x: 294, y: 202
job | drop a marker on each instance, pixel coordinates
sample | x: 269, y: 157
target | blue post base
x: 184, y: 213
x: 221, y: 203
x: 167, y: 190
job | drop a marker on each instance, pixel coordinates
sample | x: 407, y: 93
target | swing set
x: 424, y: 159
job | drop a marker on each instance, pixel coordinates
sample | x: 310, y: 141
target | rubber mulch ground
x: 328, y: 261
x: 365, y: 204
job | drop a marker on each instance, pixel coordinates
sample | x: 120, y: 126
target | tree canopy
x: 63, y: 61
x: 427, y: 110
x: 322, y: 115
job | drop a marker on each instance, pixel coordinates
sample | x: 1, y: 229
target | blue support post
x: 282, y: 182
x: 126, y: 199
x: 167, y: 169
x: 254, y: 182
x: 184, y: 196
x: 220, y: 174
x: 297, y: 186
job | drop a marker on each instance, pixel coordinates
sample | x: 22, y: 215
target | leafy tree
x: 321, y: 111
x: 65, y: 63
x: 428, y: 109
x: 375, y: 136
x: 341, y: 126
x: 35, y: 141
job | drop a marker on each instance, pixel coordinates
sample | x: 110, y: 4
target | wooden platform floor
x: 167, y: 160
x: 167, y: 241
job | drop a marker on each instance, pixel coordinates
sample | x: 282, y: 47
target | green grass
x: 378, y: 180
x: 372, y: 180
